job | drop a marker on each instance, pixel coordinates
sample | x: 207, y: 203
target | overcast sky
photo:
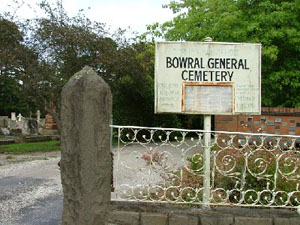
x: 115, y: 13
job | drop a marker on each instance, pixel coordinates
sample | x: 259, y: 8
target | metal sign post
x: 207, y: 129
x: 207, y: 141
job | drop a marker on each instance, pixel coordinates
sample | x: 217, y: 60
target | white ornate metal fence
x: 167, y: 165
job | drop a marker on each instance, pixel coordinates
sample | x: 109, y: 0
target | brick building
x: 285, y: 121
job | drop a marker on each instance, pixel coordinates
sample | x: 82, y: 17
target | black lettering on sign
x: 198, y: 76
x: 217, y: 78
x: 233, y: 63
x: 183, y: 75
x: 227, y: 63
x: 230, y: 74
x: 191, y: 75
x: 241, y: 65
x: 190, y: 60
x: 205, y: 76
x: 175, y: 62
x: 223, y: 63
x: 223, y: 76
x: 210, y: 63
x: 169, y: 62
x: 184, y: 62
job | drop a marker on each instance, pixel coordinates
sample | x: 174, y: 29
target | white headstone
x: 19, y: 117
x: 38, y: 116
x: 13, y: 116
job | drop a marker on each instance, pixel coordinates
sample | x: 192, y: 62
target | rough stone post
x: 85, y: 149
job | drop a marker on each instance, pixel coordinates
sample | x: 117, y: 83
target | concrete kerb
x: 174, y: 215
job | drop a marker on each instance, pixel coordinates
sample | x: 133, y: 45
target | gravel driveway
x: 30, y: 184
x: 30, y: 192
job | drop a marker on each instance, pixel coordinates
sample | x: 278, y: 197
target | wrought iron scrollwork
x: 166, y: 165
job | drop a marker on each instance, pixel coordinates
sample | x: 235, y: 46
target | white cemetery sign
x: 207, y: 78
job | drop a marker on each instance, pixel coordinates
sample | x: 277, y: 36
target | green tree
x: 274, y: 23
x: 16, y: 62
x: 67, y: 44
x: 133, y: 91
x: 64, y: 45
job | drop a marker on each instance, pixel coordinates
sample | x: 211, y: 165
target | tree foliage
x: 17, y: 62
x: 274, y: 23
x: 133, y: 92
x: 63, y: 45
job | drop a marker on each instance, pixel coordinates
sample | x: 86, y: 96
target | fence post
x: 111, y: 133
x: 207, y: 141
x: 85, y: 149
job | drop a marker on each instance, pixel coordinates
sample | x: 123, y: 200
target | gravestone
x: 13, y: 116
x: 3, y: 121
x: 33, y: 126
x: 85, y: 149
x: 20, y: 117
x: 38, y: 116
x: 12, y: 124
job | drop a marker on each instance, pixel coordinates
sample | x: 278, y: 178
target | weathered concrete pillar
x: 85, y: 154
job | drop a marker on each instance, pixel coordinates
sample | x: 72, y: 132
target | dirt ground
x: 8, y: 158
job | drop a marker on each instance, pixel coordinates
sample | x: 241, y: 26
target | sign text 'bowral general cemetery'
x: 207, y: 78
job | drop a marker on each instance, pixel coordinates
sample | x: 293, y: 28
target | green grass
x: 22, y: 148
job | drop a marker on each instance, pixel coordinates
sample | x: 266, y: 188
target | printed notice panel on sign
x: 207, y: 78
x: 208, y: 99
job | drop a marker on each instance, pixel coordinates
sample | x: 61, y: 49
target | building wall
x: 285, y: 121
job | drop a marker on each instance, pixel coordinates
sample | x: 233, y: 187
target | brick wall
x: 285, y: 121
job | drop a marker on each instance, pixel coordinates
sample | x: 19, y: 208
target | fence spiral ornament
x: 167, y: 166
